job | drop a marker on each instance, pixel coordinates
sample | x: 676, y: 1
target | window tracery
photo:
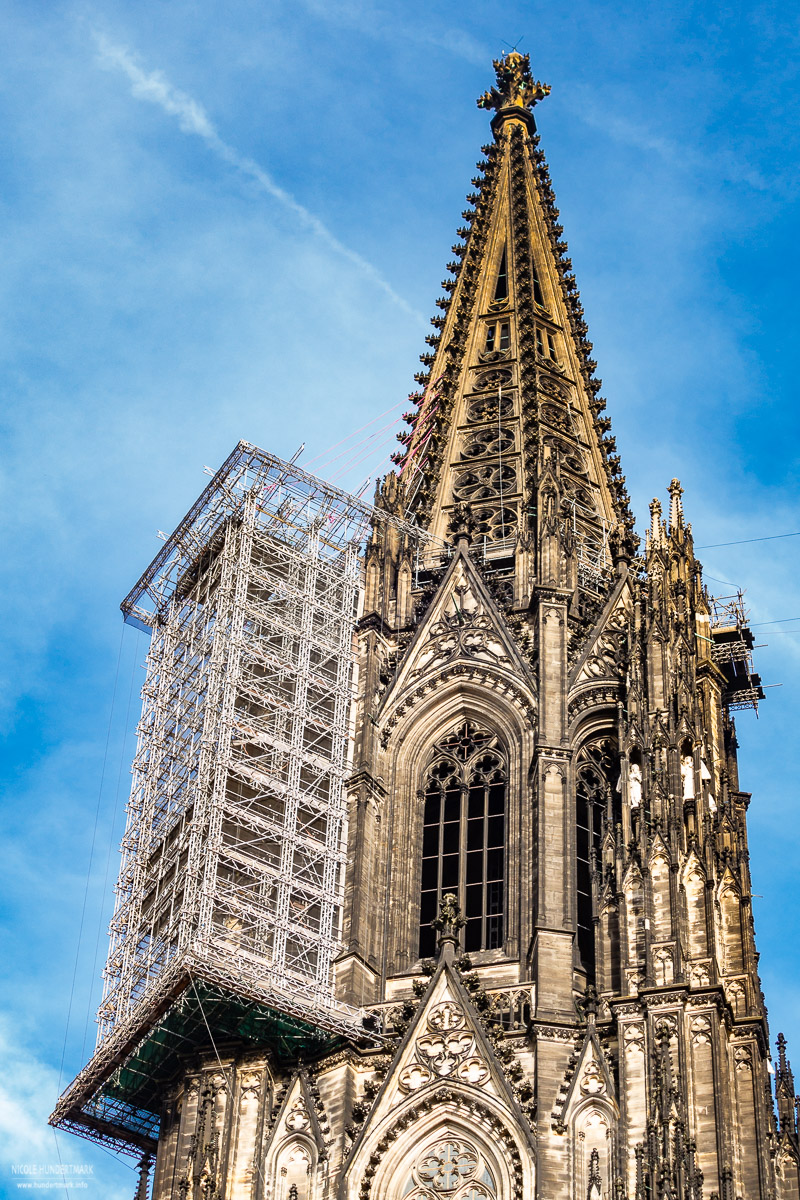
x: 501, y: 286
x: 493, y: 522
x: 596, y: 802
x: 485, y: 408
x: 488, y: 441
x: 453, y: 1168
x: 463, y: 838
x: 485, y: 482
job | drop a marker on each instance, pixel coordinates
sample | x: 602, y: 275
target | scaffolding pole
x: 234, y: 850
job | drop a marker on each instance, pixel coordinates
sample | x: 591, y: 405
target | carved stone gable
x: 589, y: 1080
x: 604, y: 656
x: 299, y: 1115
x: 462, y: 624
x: 445, y: 1045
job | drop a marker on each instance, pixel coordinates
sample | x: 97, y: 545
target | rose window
x: 450, y: 1168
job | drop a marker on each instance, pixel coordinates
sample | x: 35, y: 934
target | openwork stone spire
x: 509, y: 418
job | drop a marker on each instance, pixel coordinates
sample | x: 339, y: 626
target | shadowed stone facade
x: 545, y: 763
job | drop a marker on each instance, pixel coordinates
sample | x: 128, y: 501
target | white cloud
x: 28, y: 1092
x: 156, y: 89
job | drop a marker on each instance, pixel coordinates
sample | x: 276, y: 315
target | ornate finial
x: 462, y: 523
x: 622, y: 543
x: 145, y: 1163
x: 515, y: 84
x: 675, y: 505
x: 449, y: 921
x: 781, y: 1044
x: 656, y: 529
x: 594, y: 1191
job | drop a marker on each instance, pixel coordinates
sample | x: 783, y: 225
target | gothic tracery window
x: 538, y: 295
x: 492, y: 440
x: 596, y: 802
x: 493, y: 522
x: 452, y: 1168
x: 495, y: 404
x: 486, y: 482
x: 464, y: 835
x: 498, y: 336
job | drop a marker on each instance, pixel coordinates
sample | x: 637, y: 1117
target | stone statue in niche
x: 635, y: 785
x: 687, y: 777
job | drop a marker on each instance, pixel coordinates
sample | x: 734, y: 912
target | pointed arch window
x: 501, y: 287
x: 538, y: 294
x: 597, y: 804
x: 464, y: 836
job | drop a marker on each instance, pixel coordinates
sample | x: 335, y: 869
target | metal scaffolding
x: 234, y: 851
x: 732, y: 651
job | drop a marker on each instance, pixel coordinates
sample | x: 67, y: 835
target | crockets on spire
x: 507, y: 419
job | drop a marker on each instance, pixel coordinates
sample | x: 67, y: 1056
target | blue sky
x: 226, y: 221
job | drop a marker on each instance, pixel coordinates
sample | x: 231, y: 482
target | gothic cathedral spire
x: 509, y: 428
x: 471, y: 921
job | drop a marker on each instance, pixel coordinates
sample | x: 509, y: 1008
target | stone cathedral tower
x: 545, y: 933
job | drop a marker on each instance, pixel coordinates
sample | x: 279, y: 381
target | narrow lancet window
x: 501, y: 289
x: 538, y: 295
x: 498, y: 336
x: 464, y: 836
x: 596, y: 809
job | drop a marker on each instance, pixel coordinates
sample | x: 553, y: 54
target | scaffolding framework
x: 732, y: 651
x: 234, y: 851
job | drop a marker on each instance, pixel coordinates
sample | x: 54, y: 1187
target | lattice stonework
x: 234, y: 851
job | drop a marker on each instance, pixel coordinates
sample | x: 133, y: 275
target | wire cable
x: 359, y: 447
x: 355, y: 432
x: 368, y: 452
x: 746, y: 541
x: 109, y: 849
x: 229, y: 1083
x: 91, y: 860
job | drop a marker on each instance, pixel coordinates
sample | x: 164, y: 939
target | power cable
x: 746, y: 541
x: 91, y: 859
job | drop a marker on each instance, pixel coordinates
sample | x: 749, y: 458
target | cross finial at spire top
x: 515, y: 84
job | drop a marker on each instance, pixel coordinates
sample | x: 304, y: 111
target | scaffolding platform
x: 231, y: 882
x: 732, y: 651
